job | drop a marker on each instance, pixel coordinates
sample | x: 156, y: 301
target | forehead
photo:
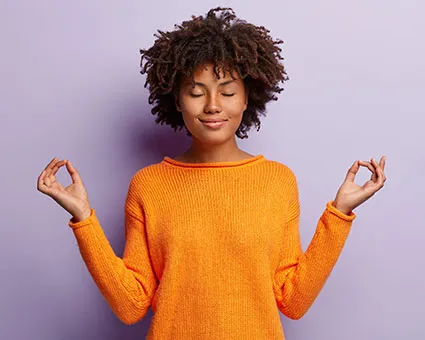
x: 206, y: 72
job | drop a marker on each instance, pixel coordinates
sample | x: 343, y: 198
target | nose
x: 212, y: 105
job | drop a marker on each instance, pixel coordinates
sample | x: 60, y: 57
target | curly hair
x: 224, y: 41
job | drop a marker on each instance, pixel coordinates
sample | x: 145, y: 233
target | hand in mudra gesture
x: 73, y: 198
x: 350, y: 195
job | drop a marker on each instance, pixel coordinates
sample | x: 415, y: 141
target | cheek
x: 189, y: 115
x: 191, y: 108
x: 235, y: 111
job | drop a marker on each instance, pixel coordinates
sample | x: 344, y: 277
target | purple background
x: 71, y: 88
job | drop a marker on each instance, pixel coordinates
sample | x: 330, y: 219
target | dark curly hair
x: 225, y: 42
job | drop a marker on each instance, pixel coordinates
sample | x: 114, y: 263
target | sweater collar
x: 250, y: 160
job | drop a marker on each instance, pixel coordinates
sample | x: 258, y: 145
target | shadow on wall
x: 102, y: 324
x: 146, y: 143
x: 152, y: 141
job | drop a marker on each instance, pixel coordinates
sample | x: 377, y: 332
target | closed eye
x: 224, y: 94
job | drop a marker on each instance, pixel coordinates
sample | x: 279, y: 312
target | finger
x: 51, y: 178
x: 57, y: 166
x: 43, y: 183
x: 382, y: 162
x: 371, y: 167
x: 50, y: 166
x: 379, y: 175
x: 381, y: 170
x: 47, y: 181
x: 351, y: 173
x: 367, y: 165
x: 50, y: 163
x: 41, y: 186
x: 73, y: 172
x: 48, y: 190
x: 42, y: 175
x: 40, y: 181
x: 374, y: 176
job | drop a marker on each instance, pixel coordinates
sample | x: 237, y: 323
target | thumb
x: 73, y: 172
x: 351, y: 173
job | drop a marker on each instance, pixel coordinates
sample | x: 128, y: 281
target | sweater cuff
x: 339, y: 213
x: 87, y: 221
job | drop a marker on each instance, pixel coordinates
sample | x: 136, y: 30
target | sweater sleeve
x: 128, y: 284
x: 300, y: 276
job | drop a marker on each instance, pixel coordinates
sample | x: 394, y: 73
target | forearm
x: 127, y: 295
x: 298, y: 283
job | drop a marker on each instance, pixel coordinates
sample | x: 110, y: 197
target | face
x: 212, y: 110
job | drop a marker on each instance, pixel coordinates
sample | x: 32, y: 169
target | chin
x: 213, y: 137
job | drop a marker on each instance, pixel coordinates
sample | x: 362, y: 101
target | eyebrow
x: 203, y: 85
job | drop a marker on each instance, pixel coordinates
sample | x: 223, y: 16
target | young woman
x: 212, y: 235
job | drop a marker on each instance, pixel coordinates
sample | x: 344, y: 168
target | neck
x: 206, y: 153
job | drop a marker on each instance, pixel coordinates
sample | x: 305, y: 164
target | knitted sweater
x: 214, y: 249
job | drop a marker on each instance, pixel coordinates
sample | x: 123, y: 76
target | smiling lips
x: 213, y: 123
x: 212, y: 120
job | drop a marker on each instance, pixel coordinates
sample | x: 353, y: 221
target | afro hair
x: 228, y: 43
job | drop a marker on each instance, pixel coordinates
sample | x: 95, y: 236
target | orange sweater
x: 215, y: 249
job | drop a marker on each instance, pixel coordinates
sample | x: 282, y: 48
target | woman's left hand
x: 350, y: 195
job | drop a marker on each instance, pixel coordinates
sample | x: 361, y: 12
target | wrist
x: 81, y: 216
x: 344, y: 210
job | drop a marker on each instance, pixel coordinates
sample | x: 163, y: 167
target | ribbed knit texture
x: 214, y: 249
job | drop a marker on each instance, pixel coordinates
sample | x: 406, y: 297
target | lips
x: 214, y: 123
x: 212, y: 120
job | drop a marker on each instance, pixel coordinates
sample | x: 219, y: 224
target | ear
x: 177, y: 103
x: 246, y: 98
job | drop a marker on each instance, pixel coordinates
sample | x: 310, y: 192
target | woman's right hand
x: 73, y: 198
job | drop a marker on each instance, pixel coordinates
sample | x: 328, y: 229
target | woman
x: 212, y: 235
